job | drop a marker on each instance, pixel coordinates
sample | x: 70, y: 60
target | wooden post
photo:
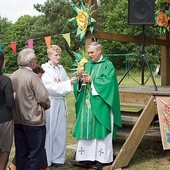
x: 89, y: 37
x: 165, y: 62
x: 92, y: 2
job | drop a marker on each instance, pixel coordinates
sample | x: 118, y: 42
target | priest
x: 97, y: 108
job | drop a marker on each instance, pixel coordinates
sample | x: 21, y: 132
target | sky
x: 13, y: 9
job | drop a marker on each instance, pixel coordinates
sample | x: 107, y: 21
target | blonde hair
x: 53, y: 48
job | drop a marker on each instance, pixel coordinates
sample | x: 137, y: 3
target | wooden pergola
x: 164, y: 42
x: 135, y: 97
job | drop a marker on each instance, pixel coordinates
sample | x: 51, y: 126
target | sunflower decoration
x: 83, y: 20
x: 163, y: 15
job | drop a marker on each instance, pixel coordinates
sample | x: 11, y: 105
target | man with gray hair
x: 30, y: 102
x: 97, y: 105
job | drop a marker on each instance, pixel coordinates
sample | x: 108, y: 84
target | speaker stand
x: 144, y: 61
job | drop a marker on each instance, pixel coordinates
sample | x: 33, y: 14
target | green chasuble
x: 93, y: 119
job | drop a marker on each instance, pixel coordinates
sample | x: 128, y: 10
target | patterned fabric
x: 163, y: 106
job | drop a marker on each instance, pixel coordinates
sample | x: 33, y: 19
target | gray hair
x: 95, y: 44
x: 25, y: 56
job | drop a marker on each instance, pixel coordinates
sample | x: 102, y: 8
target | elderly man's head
x: 27, y: 57
x: 94, y: 50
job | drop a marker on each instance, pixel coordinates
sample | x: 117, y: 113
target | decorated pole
x: 89, y: 37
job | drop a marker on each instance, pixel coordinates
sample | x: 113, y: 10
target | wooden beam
x: 128, y: 38
x: 137, y: 133
x: 165, y: 62
x: 164, y: 43
x: 134, y: 97
x: 165, y: 66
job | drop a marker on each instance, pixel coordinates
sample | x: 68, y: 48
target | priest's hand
x: 87, y: 79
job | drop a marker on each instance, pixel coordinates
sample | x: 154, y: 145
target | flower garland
x: 163, y: 15
x: 83, y: 20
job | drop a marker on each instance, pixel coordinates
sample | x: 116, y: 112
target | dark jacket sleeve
x: 9, y: 94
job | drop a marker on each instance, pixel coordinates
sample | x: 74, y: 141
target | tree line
x: 111, y: 16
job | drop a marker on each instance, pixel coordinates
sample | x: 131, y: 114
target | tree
x: 54, y: 21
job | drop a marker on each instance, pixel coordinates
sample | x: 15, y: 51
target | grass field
x: 149, y: 155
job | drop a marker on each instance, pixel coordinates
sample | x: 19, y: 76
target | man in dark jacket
x: 6, y: 116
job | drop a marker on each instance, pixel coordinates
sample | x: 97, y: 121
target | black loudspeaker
x: 141, y: 12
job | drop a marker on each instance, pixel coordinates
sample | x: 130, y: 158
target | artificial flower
x: 81, y: 58
x: 162, y: 19
x: 168, y: 1
x: 82, y: 20
x: 82, y: 62
x: 162, y: 15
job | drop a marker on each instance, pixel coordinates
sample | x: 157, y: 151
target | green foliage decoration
x: 83, y: 20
